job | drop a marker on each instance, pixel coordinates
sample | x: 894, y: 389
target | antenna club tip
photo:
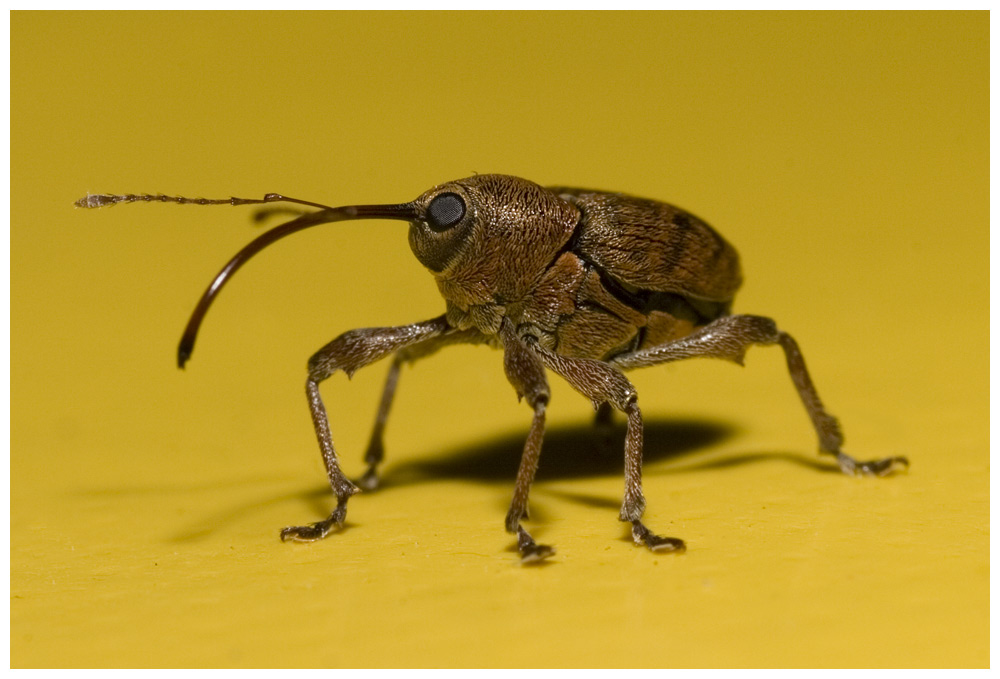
x: 182, y: 357
x: 92, y: 201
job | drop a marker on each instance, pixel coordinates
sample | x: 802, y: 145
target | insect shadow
x: 573, y: 451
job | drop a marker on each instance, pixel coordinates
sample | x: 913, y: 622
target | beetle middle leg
x: 526, y: 373
x: 729, y: 338
x: 602, y: 383
x: 350, y: 352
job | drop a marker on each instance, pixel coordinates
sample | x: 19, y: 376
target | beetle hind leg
x: 827, y: 427
x: 881, y: 467
x: 729, y: 338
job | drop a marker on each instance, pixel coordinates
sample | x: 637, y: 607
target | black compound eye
x: 445, y: 211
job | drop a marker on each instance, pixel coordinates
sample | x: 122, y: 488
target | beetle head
x: 487, y: 237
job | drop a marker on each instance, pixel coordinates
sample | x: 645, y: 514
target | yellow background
x: 846, y: 157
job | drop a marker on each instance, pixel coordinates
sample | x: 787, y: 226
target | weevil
x: 585, y: 284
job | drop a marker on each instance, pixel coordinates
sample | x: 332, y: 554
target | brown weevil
x: 586, y: 284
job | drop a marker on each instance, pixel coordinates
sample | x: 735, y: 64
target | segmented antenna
x: 107, y: 199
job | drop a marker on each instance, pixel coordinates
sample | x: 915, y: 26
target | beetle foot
x: 318, y: 530
x: 656, y: 543
x: 604, y: 423
x: 605, y: 416
x: 373, y: 456
x: 883, y: 467
x: 531, y: 551
x: 370, y: 480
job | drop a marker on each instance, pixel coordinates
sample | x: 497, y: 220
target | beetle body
x: 593, y: 275
x: 583, y: 284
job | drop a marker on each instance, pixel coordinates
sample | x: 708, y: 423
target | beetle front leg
x: 349, y: 352
x: 375, y: 452
x: 342, y: 486
x: 527, y: 375
x: 729, y: 338
x: 602, y: 383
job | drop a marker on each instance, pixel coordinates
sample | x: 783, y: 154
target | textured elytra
x: 627, y: 238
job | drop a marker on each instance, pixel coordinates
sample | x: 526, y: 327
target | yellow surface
x: 845, y: 155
